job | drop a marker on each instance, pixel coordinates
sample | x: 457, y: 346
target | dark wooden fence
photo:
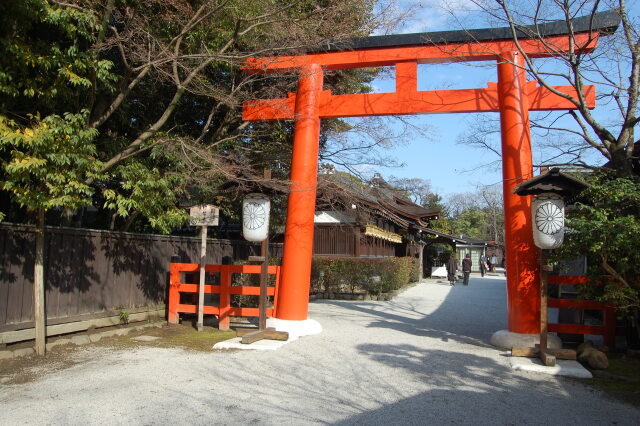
x: 92, y: 274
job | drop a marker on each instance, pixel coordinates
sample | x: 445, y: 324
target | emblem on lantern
x: 255, y: 217
x: 547, y: 210
x: 550, y: 189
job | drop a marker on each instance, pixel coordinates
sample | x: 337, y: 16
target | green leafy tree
x: 605, y: 227
x: 47, y: 152
x: 163, y: 84
x: 134, y: 105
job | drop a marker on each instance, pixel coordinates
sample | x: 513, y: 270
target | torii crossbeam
x: 512, y: 96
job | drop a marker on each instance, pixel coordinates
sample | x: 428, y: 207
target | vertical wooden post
x: 543, y: 301
x: 174, y: 294
x: 225, y: 297
x: 523, y: 290
x: 357, y: 249
x: 298, y: 237
x: 264, y: 277
x: 203, y: 258
x: 38, y: 286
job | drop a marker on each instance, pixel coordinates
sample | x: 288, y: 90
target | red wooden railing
x: 225, y: 290
x: 607, y: 330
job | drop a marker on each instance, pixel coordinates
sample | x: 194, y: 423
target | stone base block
x: 563, y: 367
x: 506, y: 339
x: 295, y: 329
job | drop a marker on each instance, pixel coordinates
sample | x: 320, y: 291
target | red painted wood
x: 577, y: 329
x: 293, y: 294
x: 405, y: 102
x: 567, y: 279
x: 523, y: 271
x: 576, y: 304
x: 174, y: 295
x: 225, y: 310
x: 431, y: 54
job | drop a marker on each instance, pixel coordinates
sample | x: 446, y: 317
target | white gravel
x: 420, y: 359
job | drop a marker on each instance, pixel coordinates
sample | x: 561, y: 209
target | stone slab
x: 145, y: 338
x: 306, y: 327
x: 563, y: 367
x: 260, y: 345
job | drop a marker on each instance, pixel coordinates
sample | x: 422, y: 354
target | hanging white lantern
x: 255, y: 217
x: 547, y: 210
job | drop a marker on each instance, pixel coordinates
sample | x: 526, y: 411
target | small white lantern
x: 255, y: 217
x: 547, y: 211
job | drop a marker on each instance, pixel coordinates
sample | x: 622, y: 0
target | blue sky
x: 449, y: 166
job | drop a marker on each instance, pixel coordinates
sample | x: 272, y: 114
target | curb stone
x: 79, y: 340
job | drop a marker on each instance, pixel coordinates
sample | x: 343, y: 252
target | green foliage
x: 46, y: 58
x: 605, y: 227
x: 372, y: 275
x: 163, y: 91
x: 149, y: 192
x: 471, y: 223
x: 123, y: 314
x: 46, y: 164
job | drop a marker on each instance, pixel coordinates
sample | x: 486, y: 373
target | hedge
x: 374, y: 276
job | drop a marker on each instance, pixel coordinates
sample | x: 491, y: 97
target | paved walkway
x: 420, y: 359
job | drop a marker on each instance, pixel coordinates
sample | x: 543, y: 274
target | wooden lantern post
x: 255, y: 227
x: 550, y: 188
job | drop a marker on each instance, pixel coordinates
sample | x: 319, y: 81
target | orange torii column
x: 523, y: 292
x: 298, y: 238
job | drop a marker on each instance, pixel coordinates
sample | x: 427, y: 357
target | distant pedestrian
x: 466, y: 268
x: 494, y: 262
x: 452, y: 268
x: 483, y: 264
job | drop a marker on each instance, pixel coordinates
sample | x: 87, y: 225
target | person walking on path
x: 483, y: 264
x: 494, y: 262
x: 452, y: 267
x: 466, y: 268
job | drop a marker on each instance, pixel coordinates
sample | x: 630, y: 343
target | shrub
x: 372, y: 275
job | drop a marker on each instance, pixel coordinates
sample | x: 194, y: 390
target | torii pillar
x: 523, y: 275
x: 513, y: 97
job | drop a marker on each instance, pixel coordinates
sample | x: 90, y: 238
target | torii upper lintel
x: 446, y: 46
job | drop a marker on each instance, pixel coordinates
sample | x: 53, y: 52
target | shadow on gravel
x: 472, y: 389
x: 468, y: 314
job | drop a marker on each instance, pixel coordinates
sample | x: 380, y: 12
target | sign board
x: 204, y: 215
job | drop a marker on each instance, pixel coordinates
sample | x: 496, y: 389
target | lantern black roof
x: 554, y: 181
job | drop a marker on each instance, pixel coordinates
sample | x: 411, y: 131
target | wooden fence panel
x: 92, y: 274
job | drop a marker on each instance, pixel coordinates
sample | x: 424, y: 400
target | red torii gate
x: 512, y: 96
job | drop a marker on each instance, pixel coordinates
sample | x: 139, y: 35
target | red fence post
x: 174, y: 294
x: 225, y: 298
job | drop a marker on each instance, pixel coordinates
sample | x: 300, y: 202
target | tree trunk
x: 38, y: 286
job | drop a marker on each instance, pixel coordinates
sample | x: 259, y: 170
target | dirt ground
x: 185, y: 336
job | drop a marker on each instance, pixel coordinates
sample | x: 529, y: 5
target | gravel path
x: 420, y: 359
